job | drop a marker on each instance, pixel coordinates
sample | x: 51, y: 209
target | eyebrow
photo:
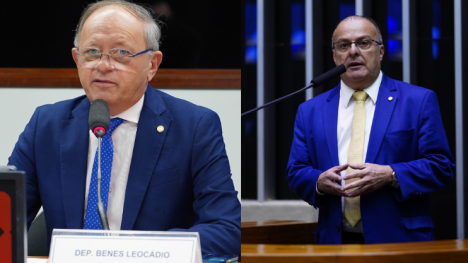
x: 94, y: 44
x: 359, y: 38
x: 122, y: 43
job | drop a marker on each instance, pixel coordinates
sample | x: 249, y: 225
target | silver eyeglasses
x: 89, y: 57
x: 363, y: 44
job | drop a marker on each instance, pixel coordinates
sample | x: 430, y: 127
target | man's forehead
x: 113, y: 21
x: 355, y: 28
x: 112, y: 14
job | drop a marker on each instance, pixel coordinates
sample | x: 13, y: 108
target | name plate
x: 100, y: 246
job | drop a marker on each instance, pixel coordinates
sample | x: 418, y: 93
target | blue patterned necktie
x: 92, y: 220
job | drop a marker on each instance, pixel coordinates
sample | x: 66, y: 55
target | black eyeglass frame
x: 354, y: 42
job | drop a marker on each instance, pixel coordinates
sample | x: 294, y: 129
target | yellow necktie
x: 356, y: 147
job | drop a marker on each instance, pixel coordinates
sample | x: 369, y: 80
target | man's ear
x: 75, y: 56
x: 154, y: 65
x: 334, y: 58
x: 382, y: 51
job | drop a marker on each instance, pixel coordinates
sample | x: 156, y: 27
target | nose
x: 104, y: 63
x: 353, y: 50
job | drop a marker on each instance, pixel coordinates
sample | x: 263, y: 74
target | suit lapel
x: 382, y: 116
x: 74, y: 141
x: 330, y: 121
x: 148, y: 144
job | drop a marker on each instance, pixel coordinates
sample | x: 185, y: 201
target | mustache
x: 353, y: 63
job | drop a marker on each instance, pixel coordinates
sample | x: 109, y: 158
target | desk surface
x: 430, y: 251
x: 276, y: 251
x: 48, y: 257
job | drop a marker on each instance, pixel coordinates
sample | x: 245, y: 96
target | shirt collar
x: 133, y: 113
x: 346, y: 93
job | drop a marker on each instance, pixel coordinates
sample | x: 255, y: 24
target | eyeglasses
x: 344, y: 46
x: 89, y: 57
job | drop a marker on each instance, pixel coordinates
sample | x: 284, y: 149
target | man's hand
x: 326, y: 183
x: 373, y: 177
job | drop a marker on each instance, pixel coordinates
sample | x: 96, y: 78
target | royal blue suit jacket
x: 406, y: 133
x: 179, y: 179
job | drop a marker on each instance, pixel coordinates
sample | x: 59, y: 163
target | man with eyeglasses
x: 168, y: 165
x: 368, y: 152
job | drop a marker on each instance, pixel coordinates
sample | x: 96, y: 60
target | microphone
x: 329, y: 75
x: 99, y: 118
x: 314, y: 83
x: 99, y: 122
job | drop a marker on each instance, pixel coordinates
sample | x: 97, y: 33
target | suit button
x: 338, y: 228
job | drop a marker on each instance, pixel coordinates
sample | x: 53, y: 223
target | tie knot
x: 360, y: 95
x: 114, y: 123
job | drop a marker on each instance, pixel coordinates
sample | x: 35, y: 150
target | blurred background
x: 288, y: 42
x: 195, y: 33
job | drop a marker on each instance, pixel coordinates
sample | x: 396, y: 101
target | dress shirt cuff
x: 317, y: 191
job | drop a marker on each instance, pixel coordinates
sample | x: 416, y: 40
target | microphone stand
x: 280, y: 99
x: 314, y: 83
x: 100, y: 205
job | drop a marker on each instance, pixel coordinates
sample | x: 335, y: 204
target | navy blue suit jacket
x: 406, y: 133
x: 179, y: 179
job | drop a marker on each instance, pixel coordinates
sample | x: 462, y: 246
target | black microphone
x: 99, y: 118
x: 329, y: 75
x: 314, y: 83
x: 99, y: 122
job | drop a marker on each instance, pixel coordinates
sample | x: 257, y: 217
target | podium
x: 278, y: 232
x: 303, y: 248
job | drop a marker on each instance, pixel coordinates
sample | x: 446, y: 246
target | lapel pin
x: 390, y: 98
x: 160, y: 128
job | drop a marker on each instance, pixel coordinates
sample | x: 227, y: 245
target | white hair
x: 152, y: 30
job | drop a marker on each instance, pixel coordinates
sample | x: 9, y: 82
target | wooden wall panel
x: 278, y: 232
x: 165, y: 78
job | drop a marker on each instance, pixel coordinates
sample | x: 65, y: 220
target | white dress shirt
x: 123, y: 139
x: 344, y: 127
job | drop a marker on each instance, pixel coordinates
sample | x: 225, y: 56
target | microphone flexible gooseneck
x: 314, y: 83
x: 99, y: 122
x: 100, y: 205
